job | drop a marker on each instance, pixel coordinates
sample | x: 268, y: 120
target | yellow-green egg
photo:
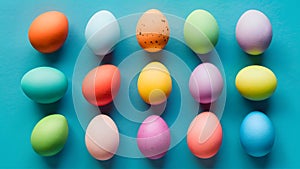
x: 154, y: 83
x: 256, y: 82
x: 201, y: 31
x: 50, y: 135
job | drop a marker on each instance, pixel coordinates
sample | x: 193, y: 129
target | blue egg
x: 257, y: 134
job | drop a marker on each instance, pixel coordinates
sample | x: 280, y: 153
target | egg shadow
x: 106, y: 109
x: 107, y: 59
x: 55, y: 161
x: 205, y: 107
x: 261, y: 162
x: 208, y: 163
x: 48, y: 108
x: 262, y: 106
x: 157, y: 163
x: 108, y: 164
x: 205, y: 57
x: 54, y: 56
x: 155, y: 56
x: 254, y: 59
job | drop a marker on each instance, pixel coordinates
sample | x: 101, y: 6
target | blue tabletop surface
x: 18, y: 114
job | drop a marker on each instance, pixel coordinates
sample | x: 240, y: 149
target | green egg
x: 44, y: 84
x: 201, y: 31
x: 49, y: 135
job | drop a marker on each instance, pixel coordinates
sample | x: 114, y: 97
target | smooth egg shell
x: 102, y: 32
x: 102, y: 137
x: 154, y: 83
x: 201, y: 31
x: 206, y: 83
x: 101, y: 85
x: 152, y: 31
x: 154, y: 137
x: 48, y: 32
x: 44, y: 84
x: 254, y: 32
x: 204, y: 137
x: 49, y: 135
x: 256, y: 82
x: 257, y: 134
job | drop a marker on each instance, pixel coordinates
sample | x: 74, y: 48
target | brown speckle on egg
x: 152, y: 31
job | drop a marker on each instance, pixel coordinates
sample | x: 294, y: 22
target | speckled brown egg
x: 152, y: 31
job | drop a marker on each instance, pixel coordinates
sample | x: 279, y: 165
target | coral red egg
x: 101, y: 85
x: 48, y: 32
x: 204, y: 137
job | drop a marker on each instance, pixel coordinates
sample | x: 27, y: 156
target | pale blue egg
x: 102, y: 32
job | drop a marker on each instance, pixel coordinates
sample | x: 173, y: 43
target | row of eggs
x: 205, y: 86
x: 48, y: 32
x: 204, y: 136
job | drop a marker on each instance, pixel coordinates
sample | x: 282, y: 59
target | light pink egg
x: 154, y: 137
x: 206, y: 83
x: 102, y: 137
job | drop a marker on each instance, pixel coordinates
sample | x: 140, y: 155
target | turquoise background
x: 18, y: 114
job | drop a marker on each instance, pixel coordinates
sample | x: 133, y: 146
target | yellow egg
x: 154, y: 83
x: 152, y: 31
x: 256, y: 82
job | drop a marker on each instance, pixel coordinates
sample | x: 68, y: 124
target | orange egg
x: 152, y: 31
x: 101, y: 85
x: 204, y: 137
x: 48, y: 32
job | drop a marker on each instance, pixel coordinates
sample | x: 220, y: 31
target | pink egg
x: 154, y: 137
x: 102, y: 137
x: 206, y: 83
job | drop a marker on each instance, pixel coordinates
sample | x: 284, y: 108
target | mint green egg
x: 49, y: 135
x: 44, y: 84
x: 201, y: 31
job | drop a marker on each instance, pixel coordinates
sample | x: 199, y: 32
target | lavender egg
x: 154, y: 137
x: 206, y: 83
x: 254, y: 32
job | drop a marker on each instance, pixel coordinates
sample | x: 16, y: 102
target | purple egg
x: 206, y: 83
x: 254, y: 32
x: 154, y: 137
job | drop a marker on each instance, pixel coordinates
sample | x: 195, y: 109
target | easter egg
x: 257, y: 134
x: 152, y: 31
x: 49, y: 135
x: 102, y: 137
x: 154, y: 83
x: 48, y: 32
x: 204, y: 137
x: 44, y: 84
x: 201, y: 31
x: 256, y: 82
x: 101, y: 85
x: 102, y: 32
x: 254, y: 32
x: 206, y: 83
x: 154, y: 137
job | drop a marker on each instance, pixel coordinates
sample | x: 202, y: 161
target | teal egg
x: 201, y: 31
x: 50, y: 135
x: 44, y: 84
